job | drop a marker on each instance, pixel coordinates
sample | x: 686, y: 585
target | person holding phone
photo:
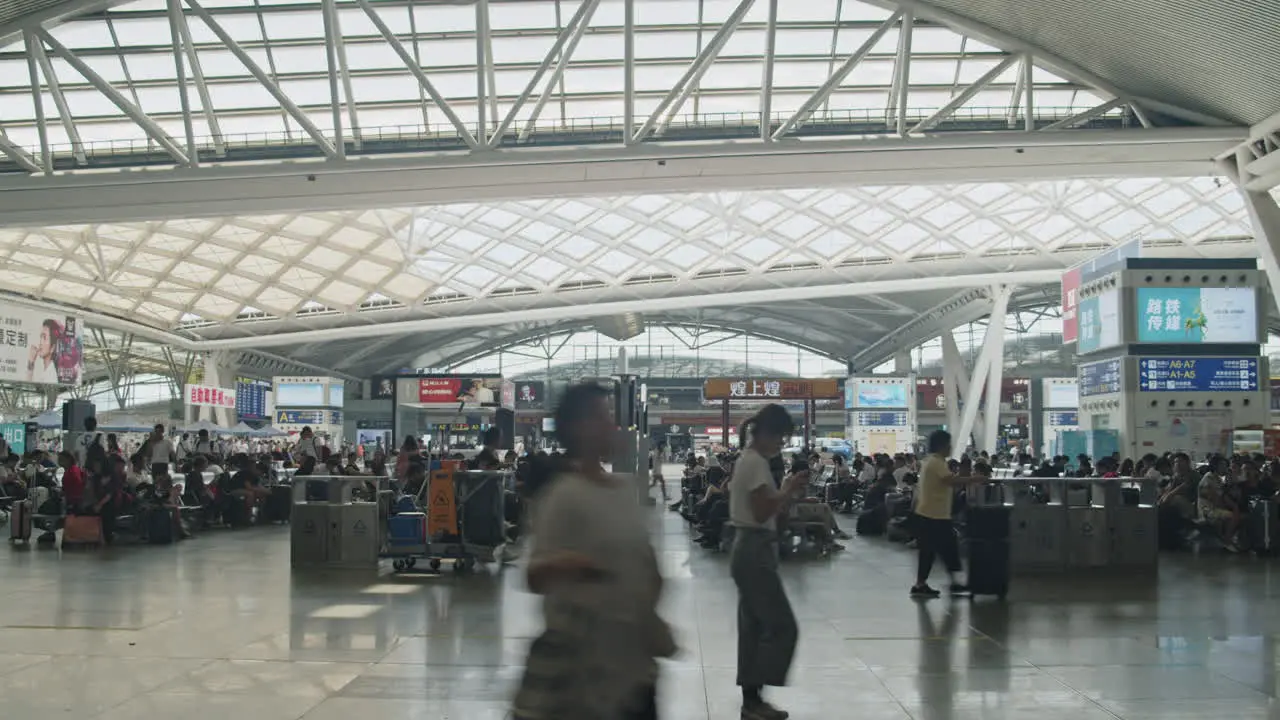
x: 767, y: 631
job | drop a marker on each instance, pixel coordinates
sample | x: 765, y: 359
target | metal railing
x: 596, y: 130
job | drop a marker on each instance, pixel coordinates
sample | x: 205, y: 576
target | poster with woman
x: 39, y: 349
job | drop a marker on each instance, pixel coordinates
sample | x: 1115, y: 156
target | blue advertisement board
x: 1197, y: 315
x: 1100, y: 378
x: 1195, y: 374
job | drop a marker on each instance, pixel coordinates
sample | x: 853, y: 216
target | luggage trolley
x: 464, y: 522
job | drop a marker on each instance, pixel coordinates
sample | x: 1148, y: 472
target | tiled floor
x: 219, y: 627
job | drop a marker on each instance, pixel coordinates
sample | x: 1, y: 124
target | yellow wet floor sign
x: 442, y: 514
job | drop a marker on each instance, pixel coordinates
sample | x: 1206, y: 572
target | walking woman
x: 767, y: 630
x: 592, y: 561
x: 935, y: 535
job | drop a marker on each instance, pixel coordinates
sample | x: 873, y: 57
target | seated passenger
x: 73, y: 481
x: 1215, y: 507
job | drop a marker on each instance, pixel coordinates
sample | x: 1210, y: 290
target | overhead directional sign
x: 300, y: 417
x: 1197, y: 374
x: 1100, y: 378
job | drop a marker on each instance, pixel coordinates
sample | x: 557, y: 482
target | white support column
x: 992, y: 351
x: 1264, y: 213
x: 902, y: 362
x: 220, y: 371
x: 995, y: 378
x: 952, y: 370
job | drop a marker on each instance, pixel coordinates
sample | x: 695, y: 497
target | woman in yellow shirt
x: 932, y: 522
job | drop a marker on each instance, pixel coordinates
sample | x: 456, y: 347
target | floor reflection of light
x: 386, y: 589
x: 345, y: 612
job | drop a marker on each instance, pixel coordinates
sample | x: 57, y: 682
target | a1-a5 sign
x: 205, y: 395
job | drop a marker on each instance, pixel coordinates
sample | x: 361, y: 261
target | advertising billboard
x: 531, y: 395
x: 1197, y: 315
x: 382, y: 387
x: 1098, y: 322
x: 300, y: 395
x: 452, y: 391
x: 865, y: 393
x: 1061, y: 394
x: 40, y: 348
x: 1070, y: 294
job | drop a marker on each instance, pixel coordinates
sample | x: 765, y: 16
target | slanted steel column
x: 992, y: 351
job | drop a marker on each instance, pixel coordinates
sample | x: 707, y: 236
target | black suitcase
x: 989, y: 567
x: 278, y: 504
x: 159, y: 526
x: 987, y: 523
x: 1264, y: 522
x: 235, y: 512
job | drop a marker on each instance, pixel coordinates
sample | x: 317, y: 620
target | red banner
x: 1070, y: 299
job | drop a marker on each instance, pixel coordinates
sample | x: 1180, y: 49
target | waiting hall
x: 639, y: 359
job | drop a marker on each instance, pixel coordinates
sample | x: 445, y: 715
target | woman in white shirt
x: 767, y: 631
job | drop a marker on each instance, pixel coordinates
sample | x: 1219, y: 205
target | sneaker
x: 960, y: 590
x: 1231, y: 547
x: 835, y: 547
x: 763, y: 711
x: 924, y: 591
x: 842, y: 535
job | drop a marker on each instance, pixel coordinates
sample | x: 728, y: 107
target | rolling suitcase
x: 278, y: 504
x: 1263, y: 516
x: 20, y: 522
x: 159, y: 526
x: 989, y: 567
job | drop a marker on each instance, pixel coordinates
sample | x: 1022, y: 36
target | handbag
x: 82, y: 530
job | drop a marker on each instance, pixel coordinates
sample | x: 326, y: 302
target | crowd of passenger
x: 165, y: 487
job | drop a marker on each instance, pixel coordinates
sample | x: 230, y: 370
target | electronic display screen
x: 1197, y: 315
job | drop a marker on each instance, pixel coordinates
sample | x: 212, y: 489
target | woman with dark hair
x: 407, y: 450
x: 592, y: 561
x: 42, y: 360
x: 934, y: 532
x: 767, y: 631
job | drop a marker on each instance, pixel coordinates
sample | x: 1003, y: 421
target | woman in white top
x: 593, y: 563
x: 767, y: 631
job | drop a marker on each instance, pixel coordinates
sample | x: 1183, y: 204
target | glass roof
x: 130, y: 47
x: 465, y: 258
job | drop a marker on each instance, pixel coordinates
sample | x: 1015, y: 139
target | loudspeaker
x: 74, y: 413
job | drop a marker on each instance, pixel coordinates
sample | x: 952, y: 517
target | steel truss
x: 932, y: 87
